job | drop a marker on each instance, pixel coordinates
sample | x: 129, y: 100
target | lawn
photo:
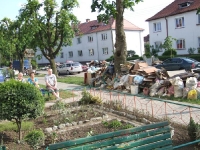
x: 72, y: 80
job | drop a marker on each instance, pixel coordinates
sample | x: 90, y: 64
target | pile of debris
x: 139, y: 77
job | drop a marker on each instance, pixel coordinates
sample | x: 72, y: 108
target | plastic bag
x: 146, y: 91
x: 185, y: 92
x: 138, y: 79
x: 192, y: 94
x: 178, y: 92
x: 191, y: 83
x: 170, y: 90
x: 161, y: 91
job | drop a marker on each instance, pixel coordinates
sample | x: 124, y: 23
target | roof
x: 174, y: 9
x: 95, y: 26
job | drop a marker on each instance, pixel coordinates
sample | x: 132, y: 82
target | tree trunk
x: 19, y: 123
x: 21, y: 61
x: 53, y: 66
x: 120, y: 45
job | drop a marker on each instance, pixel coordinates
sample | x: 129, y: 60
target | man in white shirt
x: 51, y: 83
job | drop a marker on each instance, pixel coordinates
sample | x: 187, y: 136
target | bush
x: 35, y: 138
x: 20, y: 101
x: 87, y: 98
x: 169, y: 52
x: 34, y: 64
x: 193, y: 129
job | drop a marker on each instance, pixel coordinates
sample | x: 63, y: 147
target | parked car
x: 179, y: 63
x: 2, y: 77
x: 70, y: 68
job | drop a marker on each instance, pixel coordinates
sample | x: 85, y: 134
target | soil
x: 51, y: 118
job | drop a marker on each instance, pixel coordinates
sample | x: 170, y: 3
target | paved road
x: 76, y: 75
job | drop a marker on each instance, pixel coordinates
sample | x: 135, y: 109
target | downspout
x: 97, y: 46
x: 112, y: 39
x: 140, y: 42
x: 166, y: 26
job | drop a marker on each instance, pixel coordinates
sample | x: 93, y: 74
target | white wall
x: 190, y: 32
x: 134, y: 41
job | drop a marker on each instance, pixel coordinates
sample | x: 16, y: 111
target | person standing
x: 51, y: 83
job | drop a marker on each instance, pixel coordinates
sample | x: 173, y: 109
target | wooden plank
x: 147, y: 143
x: 79, y: 141
x: 123, y: 139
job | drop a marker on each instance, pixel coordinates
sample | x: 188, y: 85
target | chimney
x: 87, y: 20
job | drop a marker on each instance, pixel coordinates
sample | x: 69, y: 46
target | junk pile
x: 139, y: 77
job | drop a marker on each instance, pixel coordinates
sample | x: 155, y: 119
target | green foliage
x: 34, y: 64
x: 191, y: 50
x: 87, y: 98
x: 198, y: 49
x: 170, y: 53
x: 150, y: 50
x: 128, y: 126
x: 130, y: 53
x: 192, y: 129
x: 20, y: 101
x: 10, y: 126
x: 35, y: 138
x: 115, y: 124
x: 167, y: 45
x: 53, y: 27
x: 58, y: 106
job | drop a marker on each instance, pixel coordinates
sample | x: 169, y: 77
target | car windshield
x: 76, y: 64
x: 189, y: 60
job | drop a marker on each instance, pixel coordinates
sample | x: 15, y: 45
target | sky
x: 142, y: 11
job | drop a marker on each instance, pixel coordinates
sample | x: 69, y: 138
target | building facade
x: 96, y: 42
x: 180, y: 21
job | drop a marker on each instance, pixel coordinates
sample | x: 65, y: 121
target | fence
x: 155, y: 107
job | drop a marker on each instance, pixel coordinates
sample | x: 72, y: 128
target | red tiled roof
x: 86, y: 28
x: 173, y: 9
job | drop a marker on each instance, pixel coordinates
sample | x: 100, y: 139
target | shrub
x: 35, y: 138
x: 87, y: 98
x: 34, y: 64
x: 19, y: 101
x: 198, y: 49
x: 192, y: 129
x: 169, y: 52
x: 191, y: 50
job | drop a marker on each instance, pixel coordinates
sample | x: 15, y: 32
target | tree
x: 57, y: 27
x: 116, y: 10
x: 19, y: 101
x: 6, y: 45
x: 167, y: 45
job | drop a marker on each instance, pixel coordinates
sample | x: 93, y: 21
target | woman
x: 32, y: 80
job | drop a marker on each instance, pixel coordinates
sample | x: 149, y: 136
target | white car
x: 70, y: 68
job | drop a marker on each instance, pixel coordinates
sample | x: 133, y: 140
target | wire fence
x: 155, y: 107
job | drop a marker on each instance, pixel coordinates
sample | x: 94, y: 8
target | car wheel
x: 67, y: 72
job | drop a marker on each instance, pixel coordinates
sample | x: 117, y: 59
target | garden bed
x: 71, y: 115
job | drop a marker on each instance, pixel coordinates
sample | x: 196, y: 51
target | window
x: 91, y: 52
x: 158, y: 46
x: 198, y: 19
x: 185, y: 4
x: 180, y: 44
x: 90, y: 38
x: 104, y: 36
x: 180, y: 22
x: 105, y: 51
x: 157, y: 27
x: 61, y: 55
x: 70, y: 54
x: 80, y: 53
x: 79, y: 40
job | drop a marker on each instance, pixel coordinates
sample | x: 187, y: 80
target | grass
x: 72, y: 80
x: 63, y: 94
x: 197, y: 101
x: 10, y: 126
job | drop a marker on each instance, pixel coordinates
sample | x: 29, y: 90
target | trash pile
x: 139, y: 77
